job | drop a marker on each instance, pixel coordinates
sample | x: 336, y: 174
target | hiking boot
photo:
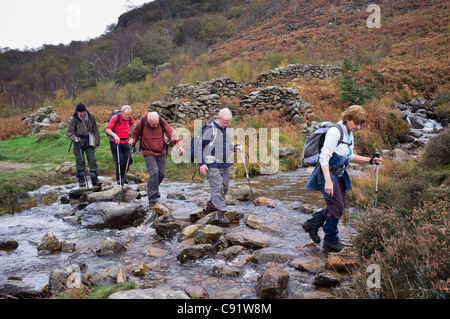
x: 337, y: 247
x: 94, y: 179
x: 81, y: 180
x: 312, y: 227
x: 210, y: 207
x: 222, y: 218
x: 152, y: 200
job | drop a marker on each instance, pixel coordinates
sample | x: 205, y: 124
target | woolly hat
x: 81, y: 107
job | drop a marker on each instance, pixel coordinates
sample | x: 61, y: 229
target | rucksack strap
x: 341, y: 138
x: 142, y: 133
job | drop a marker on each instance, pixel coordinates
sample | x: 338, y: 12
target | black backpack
x: 142, y: 132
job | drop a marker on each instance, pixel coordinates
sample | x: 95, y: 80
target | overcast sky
x: 32, y: 23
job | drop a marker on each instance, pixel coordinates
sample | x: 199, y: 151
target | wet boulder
x: 224, y: 270
x: 109, y: 247
x: 208, y: 235
x: 164, y: 292
x: 110, y: 195
x: 101, y: 215
x: 196, y: 252
x: 50, y: 243
x: 17, y: 288
x: 273, y: 255
x: 327, y: 278
x: 345, y: 260
x: 310, y: 264
x: 58, y: 280
x: 273, y: 284
x: 169, y: 230
x: 249, y: 238
x: 8, y: 244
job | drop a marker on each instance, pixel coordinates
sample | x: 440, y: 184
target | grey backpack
x: 314, y: 142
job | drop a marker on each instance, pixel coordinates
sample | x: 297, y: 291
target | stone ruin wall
x: 201, y: 100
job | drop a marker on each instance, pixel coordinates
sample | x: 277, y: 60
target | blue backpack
x: 194, y: 156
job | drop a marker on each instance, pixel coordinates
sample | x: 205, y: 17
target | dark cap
x: 81, y: 107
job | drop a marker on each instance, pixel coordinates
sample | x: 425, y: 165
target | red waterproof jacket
x: 122, y: 128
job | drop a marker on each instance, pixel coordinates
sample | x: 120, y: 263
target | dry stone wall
x: 271, y: 98
x: 295, y: 71
x: 201, y: 100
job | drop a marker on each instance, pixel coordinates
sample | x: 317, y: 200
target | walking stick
x: 377, y: 154
x: 82, y: 158
x: 126, y: 169
x: 248, y: 179
x: 118, y: 164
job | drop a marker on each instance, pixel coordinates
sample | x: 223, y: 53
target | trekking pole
x: 118, y: 164
x: 248, y: 179
x: 195, y: 173
x: 377, y: 154
x: 126, y: 169
x: 82, y: 159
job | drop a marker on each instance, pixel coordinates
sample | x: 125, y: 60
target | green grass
x: 95, y: 292
x: 15, y: 185
x: 51, y: 149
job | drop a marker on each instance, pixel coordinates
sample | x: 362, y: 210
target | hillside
x: 407, y: 55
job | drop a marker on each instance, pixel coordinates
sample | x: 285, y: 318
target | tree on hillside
x: 157, y: 47
x: 135, y: 71
x: 355, y: 89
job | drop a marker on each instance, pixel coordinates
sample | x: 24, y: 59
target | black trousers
x: 121, y: 158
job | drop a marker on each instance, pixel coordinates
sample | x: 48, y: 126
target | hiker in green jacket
x: 82, y: 130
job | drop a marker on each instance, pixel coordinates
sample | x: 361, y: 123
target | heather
x: 407, y: 236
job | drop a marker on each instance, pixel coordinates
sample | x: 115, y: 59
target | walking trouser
x: 219, y: 179
x: 90, y: 156
x: 156, y: 168
x: 124, y: 152
x: 331, y: 215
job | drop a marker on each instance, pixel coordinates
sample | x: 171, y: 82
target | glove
x: 377, y: 154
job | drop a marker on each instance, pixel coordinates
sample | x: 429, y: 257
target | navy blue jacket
x: 217, y: 155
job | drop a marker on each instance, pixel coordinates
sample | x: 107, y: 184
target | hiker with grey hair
x: 216, y: 147
x: 118, y: 130
x: 150, y: 132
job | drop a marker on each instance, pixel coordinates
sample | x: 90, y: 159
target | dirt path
x: 9, y: 167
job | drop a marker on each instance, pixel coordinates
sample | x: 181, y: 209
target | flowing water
x: 286, y: 189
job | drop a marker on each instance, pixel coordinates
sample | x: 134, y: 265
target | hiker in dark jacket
x: 331, y: 177
x: 118, y: 129
x: 216, y: 147
x: 150, y: 131
x: 82, y: 130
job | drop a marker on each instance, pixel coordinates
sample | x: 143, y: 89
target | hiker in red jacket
x: 150, y: 131
x: 118, y: 130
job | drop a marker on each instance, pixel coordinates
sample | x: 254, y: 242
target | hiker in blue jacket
x: 331, y: 178
x: 216, y: 147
